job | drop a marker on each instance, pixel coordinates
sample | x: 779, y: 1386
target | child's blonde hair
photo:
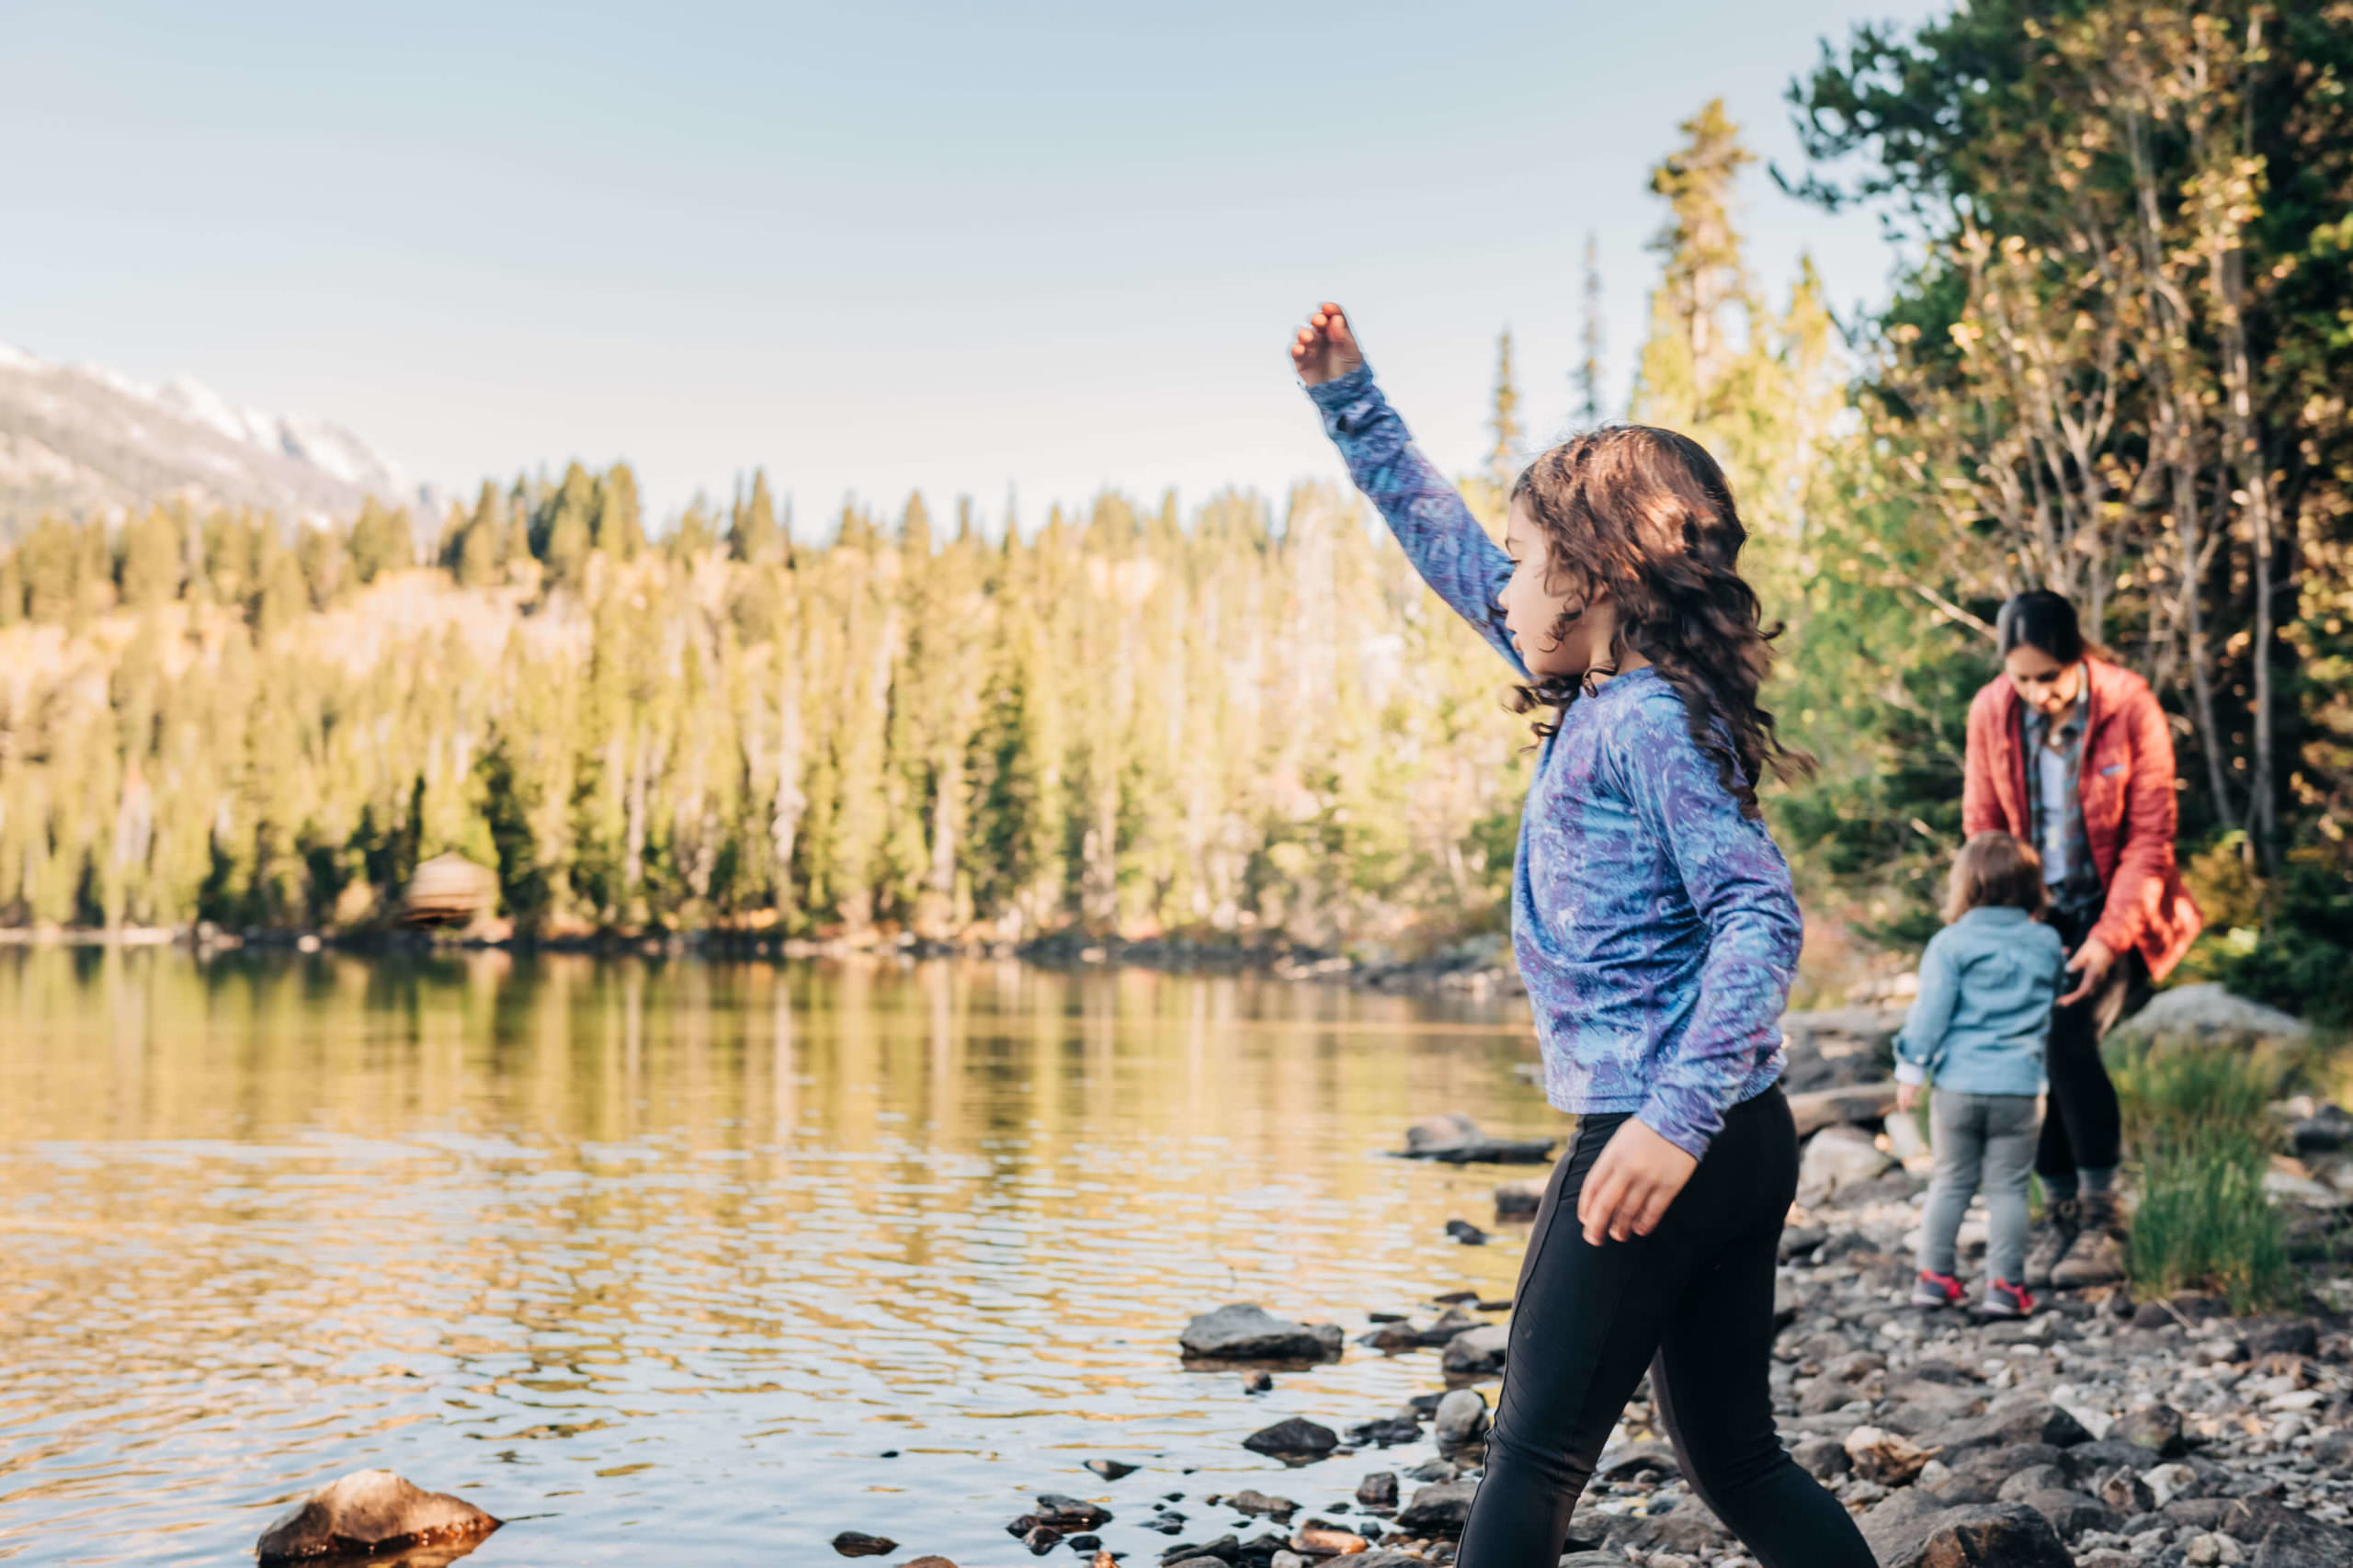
x: 1992, y: 871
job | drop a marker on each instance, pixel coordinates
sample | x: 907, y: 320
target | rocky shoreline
x: 2107, y: 1431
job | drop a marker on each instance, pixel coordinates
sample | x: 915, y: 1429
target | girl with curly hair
x: 1657, y: 930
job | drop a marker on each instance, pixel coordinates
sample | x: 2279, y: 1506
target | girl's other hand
x: 1906, y: 1096
x: 1627, y: 1192
x: 1325, y: 348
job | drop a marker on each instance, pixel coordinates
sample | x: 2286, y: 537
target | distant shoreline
x: 1478, y: 968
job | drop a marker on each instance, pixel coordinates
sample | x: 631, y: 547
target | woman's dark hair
x: 1646, y: 514
x: 2040, y: 619
x: 1994, y: 871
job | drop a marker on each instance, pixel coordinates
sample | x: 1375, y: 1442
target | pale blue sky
x: 874, y: 246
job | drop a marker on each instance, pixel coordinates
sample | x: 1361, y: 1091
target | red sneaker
x: 1934, y: 1290
x: 2003, y: 1300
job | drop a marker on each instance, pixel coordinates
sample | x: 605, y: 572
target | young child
x: 1656, y: 931
x: 1986, y: 985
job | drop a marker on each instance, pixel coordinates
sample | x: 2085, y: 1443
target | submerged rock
x: 1457, y: 1140
x: 1244, y: 1331
x: 370, y: 1511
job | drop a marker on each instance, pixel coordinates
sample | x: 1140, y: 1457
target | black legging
x: 2083, y: 1129
x: 1693, y: 1301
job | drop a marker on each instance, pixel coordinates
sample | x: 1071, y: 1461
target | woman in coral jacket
x: 2073, y: 754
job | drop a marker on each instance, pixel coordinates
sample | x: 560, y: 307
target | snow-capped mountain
x: 81, y: 440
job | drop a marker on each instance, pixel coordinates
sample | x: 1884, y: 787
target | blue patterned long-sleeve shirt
x: 1656, y: 927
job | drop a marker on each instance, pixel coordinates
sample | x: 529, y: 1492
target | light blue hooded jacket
x: 1986, y: 987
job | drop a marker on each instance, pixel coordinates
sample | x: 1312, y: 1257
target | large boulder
x: 1838, y: 1159
x: 370, y: 1511
x: 1244, y: 1331
x: 2210, y: 1014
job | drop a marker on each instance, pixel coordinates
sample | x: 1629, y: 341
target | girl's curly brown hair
x: 1646, y: 514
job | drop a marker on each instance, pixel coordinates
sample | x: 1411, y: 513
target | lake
x: 659, y: 1261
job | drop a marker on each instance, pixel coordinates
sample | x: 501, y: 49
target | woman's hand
x: 1906, y: 1097
x: 2092, y: 961
x: 1627, y: 1192
x: 1326, y: 348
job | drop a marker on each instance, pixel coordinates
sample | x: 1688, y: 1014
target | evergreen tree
x: 1588, y: 375
x: 1507, y: 456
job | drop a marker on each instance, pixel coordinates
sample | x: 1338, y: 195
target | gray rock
x: 1897, y: 1528
x: 1855, y: 1105
x: 1244, y: 1331
x: 2125, y: 1492
x: 1518, y: 1196
x: 1378, y: 1490
x: 1457, y: 1140
x: 1251, y: 1501
x: 1293, y: 1437
x: 1432, y: 1134
x: 1822, y: 1457
x: 2209, y: 1013
x: 1440, y: 1509
x: 1692, y: 1531
x: 1477, y: 1350
x: 2090, y: 1459
x: 2324, y: 1132
x: 2297, y: 1336
x: 858, y: 1543
x: 2022, y: 1485
x: 2071, y: 1513
x: 1838, y: 1159
x: 2010, y: 1534
x: 370, y: 1510
x: 1627, y: 1458
x: 1110, y: 1469
x: 1456, y: 1319
x: 1434, y: 1470
x: 2156, y: 1426
x: 1461, y: 1418
x: 2021, y: 1419
x: 1067, y: 1514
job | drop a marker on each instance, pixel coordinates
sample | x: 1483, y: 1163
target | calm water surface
x: 658, y: 1261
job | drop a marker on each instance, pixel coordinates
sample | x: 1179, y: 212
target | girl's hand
x: 1627, y: 1192
x: 1326, y: 348
x: 1906, y: 1096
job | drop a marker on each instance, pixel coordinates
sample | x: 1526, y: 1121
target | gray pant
x: 1983, y: 1143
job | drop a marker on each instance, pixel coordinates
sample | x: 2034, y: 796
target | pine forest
x: 2113, y: 362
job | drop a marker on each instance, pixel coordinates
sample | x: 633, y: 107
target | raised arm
x: 1440, y: 537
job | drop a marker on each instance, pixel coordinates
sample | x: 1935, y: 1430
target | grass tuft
x: 2196, y: 1124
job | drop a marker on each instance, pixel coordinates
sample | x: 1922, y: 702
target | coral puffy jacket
x: 2130, y: 813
